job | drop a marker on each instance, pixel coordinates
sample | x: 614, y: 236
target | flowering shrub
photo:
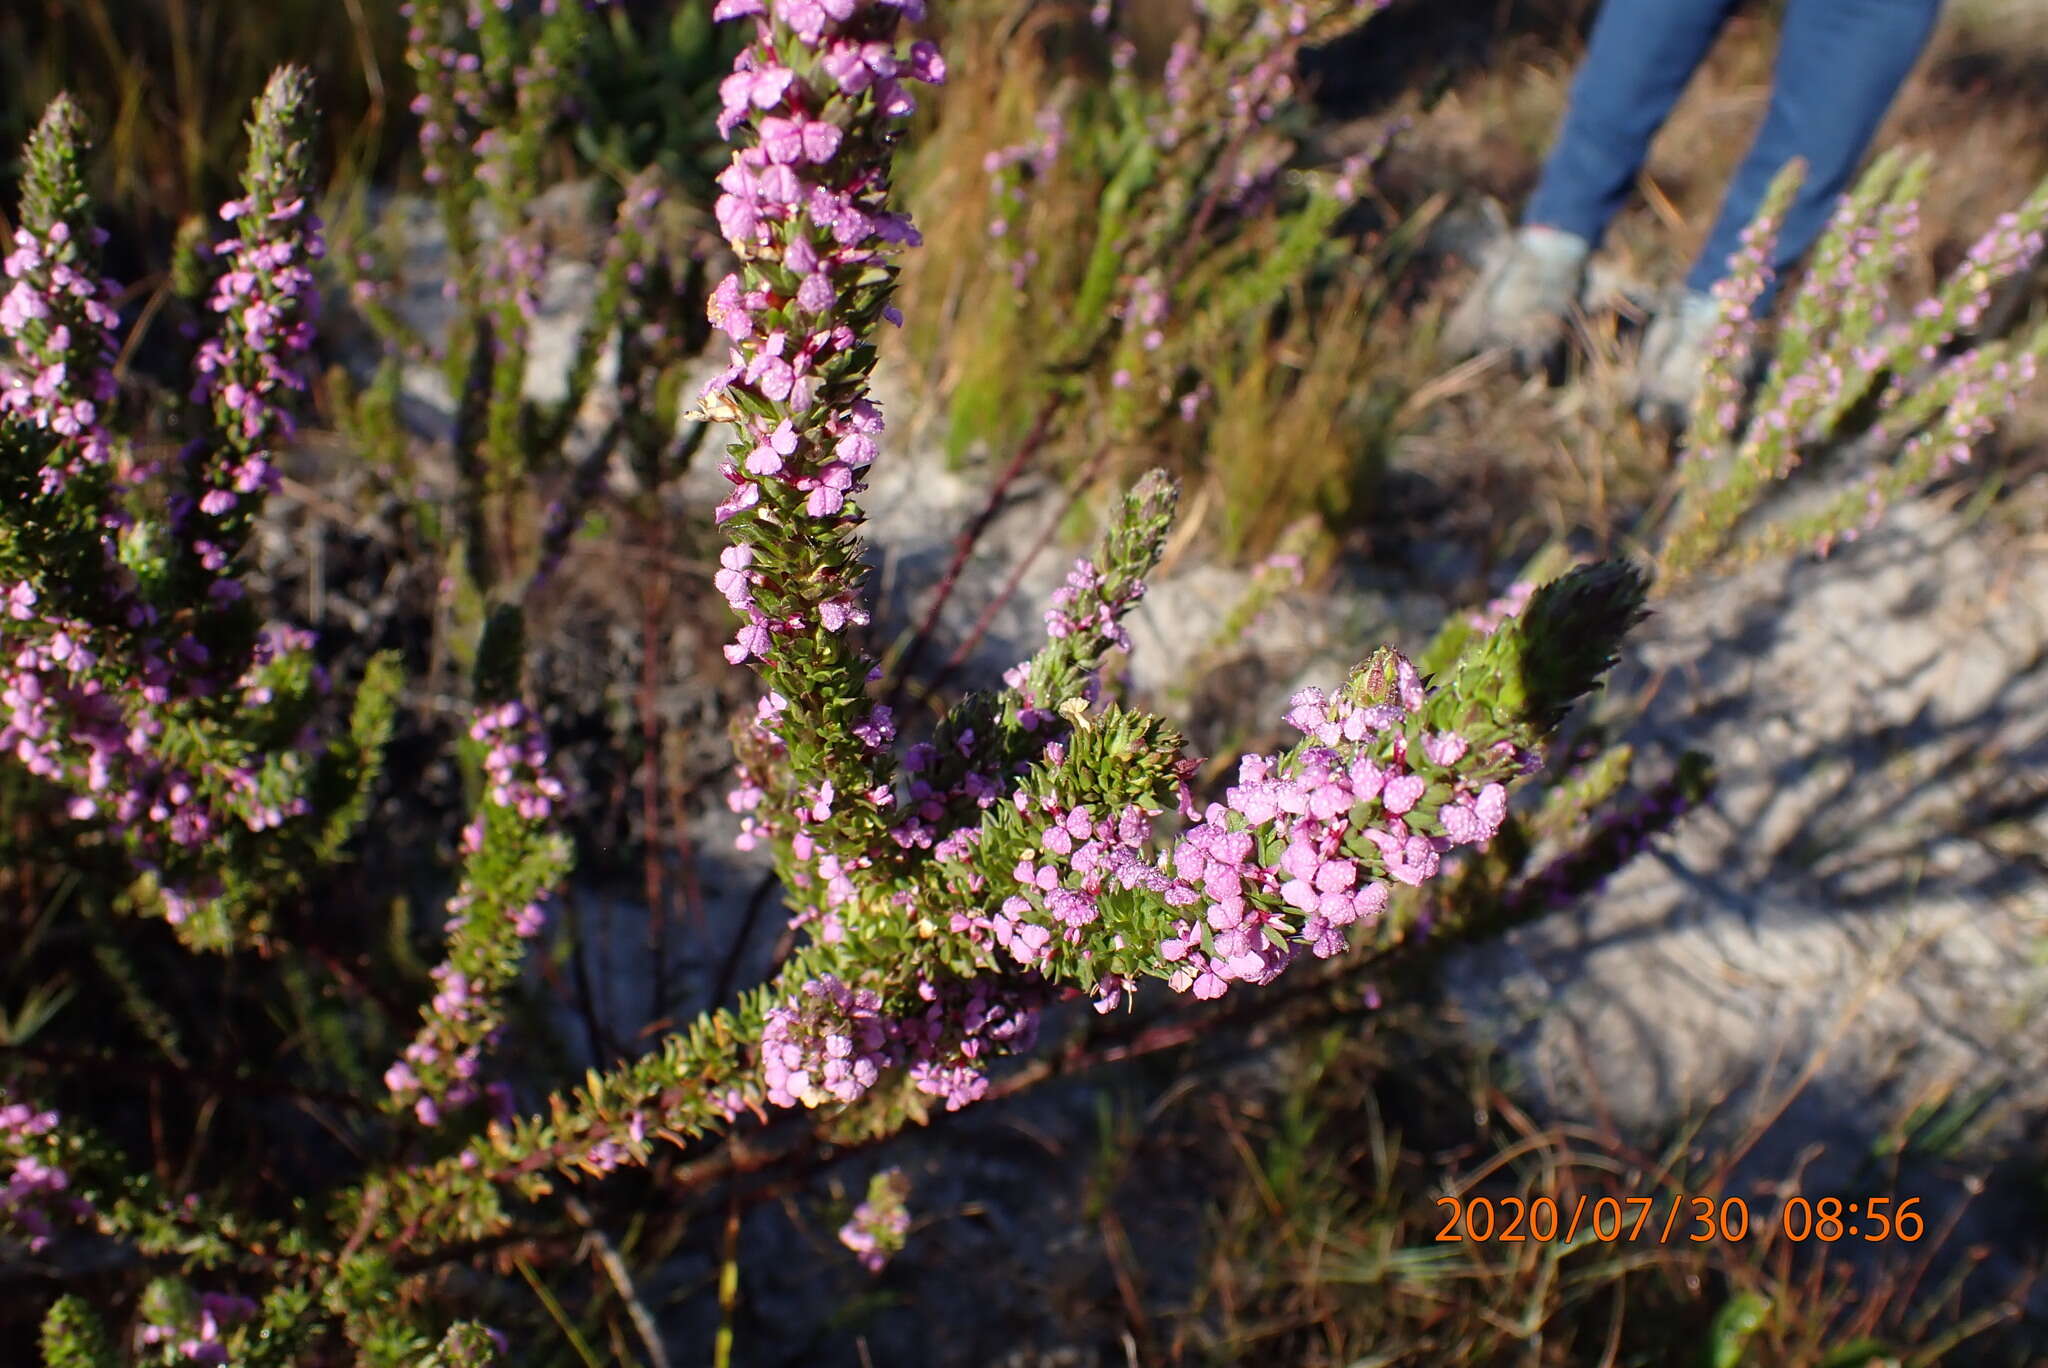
x: 56, y: 312
x: 1892, y: 402
x: 1015, y: 852
x: 513, y: 858
x: 141, y: 682
x: 953, y: 885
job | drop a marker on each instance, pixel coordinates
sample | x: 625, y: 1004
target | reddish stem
x: 964, y: 544
x: 1023, y: 566
x: 653, y: 603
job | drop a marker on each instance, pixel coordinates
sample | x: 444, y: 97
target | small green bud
x: 466, y: 1345
x: 52, y: 185
x: 191, y: 274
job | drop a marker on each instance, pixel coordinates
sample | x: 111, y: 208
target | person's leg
x: 1641, y: 55
x: 1639, y: 60
x: 1840, y: 62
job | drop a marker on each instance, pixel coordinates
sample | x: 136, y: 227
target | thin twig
x: 653, y: 607
x: 542, y: 1239
x: 1293, y: 1006
x: 729, y: 971
x: 555, y: 1312
x: 964, y: 544
x: 584, y: 483
x: 973, y: 639
x: 373, y: 1206
x: 469, y: 420
x: 622, y: 1281
x: 728, y: 1283
x: 789, y: 1154
x: 313, y: 501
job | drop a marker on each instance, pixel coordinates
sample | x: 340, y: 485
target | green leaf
x: 1734, y: 1326
x: 74, y: 1338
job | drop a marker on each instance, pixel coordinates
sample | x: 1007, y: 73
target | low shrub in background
x: 1134, y: 261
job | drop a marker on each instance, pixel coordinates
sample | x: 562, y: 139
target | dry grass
x: 1305, y: 421
x: 1332, y: 1248
x: 957, y: 288
x: 168, y: 84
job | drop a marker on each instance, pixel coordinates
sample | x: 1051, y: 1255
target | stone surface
x: 568, y: 292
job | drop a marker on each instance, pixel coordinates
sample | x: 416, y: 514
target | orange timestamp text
x: 1678, y: 1218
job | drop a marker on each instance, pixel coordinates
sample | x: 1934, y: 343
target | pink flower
x: 762, y: 89
x: 768, y: 457
x: 1403, y: 793
x: 815, y: 294
x: 772, y: 376
x: 809, y: 17
x: 734, y: 579
x: 800, y: 140
x: 729, y: 311
x: 753, y: 640
x: 743, y: 497
x: 926, y: 64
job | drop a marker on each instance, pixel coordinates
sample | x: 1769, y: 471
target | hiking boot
x: 1673, y: 357
x: 1522, y: 298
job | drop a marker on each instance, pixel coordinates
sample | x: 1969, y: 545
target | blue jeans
x: 1840, y: 62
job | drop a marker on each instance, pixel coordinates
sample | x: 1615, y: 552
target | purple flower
x: 828, y: 1043
x: 878, y: 1225
x: 487, y: 921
